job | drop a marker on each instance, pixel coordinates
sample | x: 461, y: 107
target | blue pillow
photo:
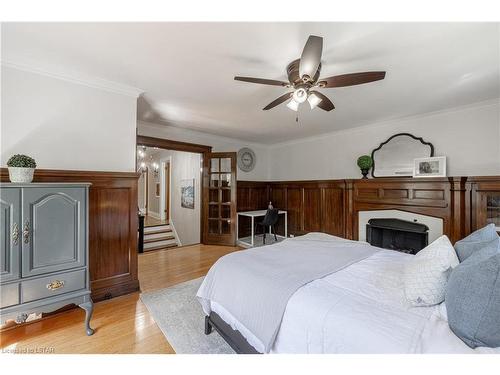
x: 473, y: 299
x: 475, y: 241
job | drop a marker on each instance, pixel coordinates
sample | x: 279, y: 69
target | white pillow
x: 426, y: 273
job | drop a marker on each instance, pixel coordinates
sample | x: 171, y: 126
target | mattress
x: 359, y: 309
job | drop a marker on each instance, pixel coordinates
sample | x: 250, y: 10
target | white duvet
x: 359, y: 309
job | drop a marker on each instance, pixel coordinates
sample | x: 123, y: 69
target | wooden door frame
x: 169, y: 144
x: 146, y: 193
x: 167, y: 190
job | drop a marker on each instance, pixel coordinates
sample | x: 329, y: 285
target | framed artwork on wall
x: 430, y: 167
x: 187, y: 193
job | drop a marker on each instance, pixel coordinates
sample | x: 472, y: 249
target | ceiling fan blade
x: 311, y: 56
x: 352, y: 79
x: 325, y: 103
x: 281, y: 99
x: 262, y: 81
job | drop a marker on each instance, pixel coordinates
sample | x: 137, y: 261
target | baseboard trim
x: 171, y: 223
x: 100, y: 294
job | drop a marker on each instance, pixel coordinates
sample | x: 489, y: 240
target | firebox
x: 396, y: 234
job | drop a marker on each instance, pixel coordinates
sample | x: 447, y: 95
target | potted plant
x: 365, y: 162
x: 21, y: 168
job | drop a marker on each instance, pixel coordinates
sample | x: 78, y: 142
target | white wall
x: 469, y: 137
x: 186, y: 165
x: 259, y: 173
x: 153, y: 200
x: 65, y: 125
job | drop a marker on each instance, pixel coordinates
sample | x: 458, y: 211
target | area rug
x: 181, y: 319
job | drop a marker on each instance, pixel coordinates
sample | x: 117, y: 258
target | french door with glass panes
x: 219, y: 198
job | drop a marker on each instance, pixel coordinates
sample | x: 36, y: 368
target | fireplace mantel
x: 441, y: 198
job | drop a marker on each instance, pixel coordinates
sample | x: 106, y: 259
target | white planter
x: 21, y: 175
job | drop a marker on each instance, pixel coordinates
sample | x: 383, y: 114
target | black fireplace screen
x: 396, y: 234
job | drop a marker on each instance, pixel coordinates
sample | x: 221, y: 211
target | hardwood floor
x: 123, y: 324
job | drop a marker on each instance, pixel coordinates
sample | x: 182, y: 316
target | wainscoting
x: 332, y: 206
x: 311, y: 205
x: 112, y: 227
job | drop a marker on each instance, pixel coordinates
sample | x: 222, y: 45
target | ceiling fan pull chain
x: 297, y: 118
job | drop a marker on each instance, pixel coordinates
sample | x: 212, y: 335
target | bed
x: 359, y: 307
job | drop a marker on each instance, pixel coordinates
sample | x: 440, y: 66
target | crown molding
x: 391, y: 122
x: 80, y: 79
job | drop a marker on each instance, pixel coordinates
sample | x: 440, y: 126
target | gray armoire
x: 44, y: 249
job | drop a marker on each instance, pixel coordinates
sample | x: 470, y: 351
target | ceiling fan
x: 303, y: 76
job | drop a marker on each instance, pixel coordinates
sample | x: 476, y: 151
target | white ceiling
x: 186, y: 69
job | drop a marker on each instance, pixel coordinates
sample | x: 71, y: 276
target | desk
x: 252, y: 215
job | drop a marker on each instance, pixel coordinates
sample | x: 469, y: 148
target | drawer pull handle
x: 26, y: 232
x: 56, y: 284
x: 15, y: 234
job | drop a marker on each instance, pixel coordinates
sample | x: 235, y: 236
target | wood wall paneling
x: 112, y: 227
x: 250, y: 196
x: 477, y: 190
x: 312, y: 209
x: 332, y: 206
x: 333, y: 218
x: 277, y: 195
x: 295, y: 209
x: 311, y: 205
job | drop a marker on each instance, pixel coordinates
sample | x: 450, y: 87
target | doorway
x: 196, y: 189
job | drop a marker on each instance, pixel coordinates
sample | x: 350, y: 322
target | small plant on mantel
x: 365, y: 162
x: 21, y: 168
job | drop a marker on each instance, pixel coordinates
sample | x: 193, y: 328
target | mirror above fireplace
x: 395, y: 156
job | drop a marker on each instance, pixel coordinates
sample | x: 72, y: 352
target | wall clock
x: 246, y: 159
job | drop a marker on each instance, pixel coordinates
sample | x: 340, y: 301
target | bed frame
x: 233, y: 337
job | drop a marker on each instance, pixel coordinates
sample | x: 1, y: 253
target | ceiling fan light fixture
x: 313, y: 100
x: 300, y: 95
x: 293, y: 105
x: 304, y: 75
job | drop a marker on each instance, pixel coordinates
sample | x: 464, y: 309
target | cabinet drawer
x: 52, y: 285
x: 9, y: 295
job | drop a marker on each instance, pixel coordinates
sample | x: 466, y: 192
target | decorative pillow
x: 473, y: 300
x: 426, y: 274
x: 475, y: 241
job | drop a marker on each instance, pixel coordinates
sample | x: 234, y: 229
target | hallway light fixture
x: 156, y: 169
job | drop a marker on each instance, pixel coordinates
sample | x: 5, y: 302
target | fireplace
x: 396, y: 234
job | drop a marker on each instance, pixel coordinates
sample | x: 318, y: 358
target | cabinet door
x: 489, y: 209
x: 10, y: 242
x: 54, y: 224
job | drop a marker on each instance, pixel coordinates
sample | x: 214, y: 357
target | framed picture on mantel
x: 430, y: 167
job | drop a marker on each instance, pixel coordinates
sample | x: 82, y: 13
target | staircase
x: 159, y: 237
